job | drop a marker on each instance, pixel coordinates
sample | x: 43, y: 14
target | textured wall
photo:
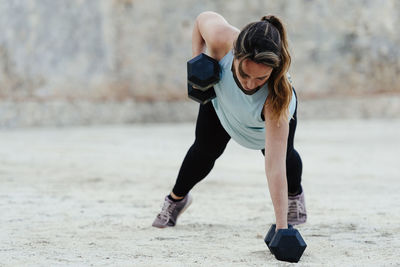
x: 135, y: 50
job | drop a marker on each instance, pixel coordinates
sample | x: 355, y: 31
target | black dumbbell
x: 285, y: 244
x: 203, y: 74
x: 271, y: 233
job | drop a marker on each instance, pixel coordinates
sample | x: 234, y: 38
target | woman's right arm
x: 213, y: 33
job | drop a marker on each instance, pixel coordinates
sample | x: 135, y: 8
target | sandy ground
x: 88, y: 196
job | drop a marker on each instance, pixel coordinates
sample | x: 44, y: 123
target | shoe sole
x: 190, y: 200
x: 298, y: 222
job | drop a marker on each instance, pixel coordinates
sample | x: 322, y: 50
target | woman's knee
x: 209, y: 150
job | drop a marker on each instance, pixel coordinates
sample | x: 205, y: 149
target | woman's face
x: 251, y: 75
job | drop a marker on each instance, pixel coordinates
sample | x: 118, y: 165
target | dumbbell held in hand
x: 285, y: 244
x: 271, y: 233
x: 202, y: 75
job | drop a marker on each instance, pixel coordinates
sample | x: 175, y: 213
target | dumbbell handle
x: 198, y: 87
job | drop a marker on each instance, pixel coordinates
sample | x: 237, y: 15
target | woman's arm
x: 213, y: 32
x: 275, y: 166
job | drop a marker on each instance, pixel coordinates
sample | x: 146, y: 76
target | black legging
x: 211, y: 140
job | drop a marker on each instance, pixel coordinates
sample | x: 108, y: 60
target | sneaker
x: 171, y: 211
x: 297, y: 213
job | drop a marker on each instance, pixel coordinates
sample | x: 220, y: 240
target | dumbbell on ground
x: 285, y: 244
x: 203, y: 74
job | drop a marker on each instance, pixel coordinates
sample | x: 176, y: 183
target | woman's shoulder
x: 222, y: 42
x: 218, y: 34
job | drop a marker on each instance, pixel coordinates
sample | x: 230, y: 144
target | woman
x: 255, y: 105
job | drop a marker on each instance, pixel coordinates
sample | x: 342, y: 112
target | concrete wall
x: 102, y: 51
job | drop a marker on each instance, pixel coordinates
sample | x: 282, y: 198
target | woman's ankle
x: 175, y: 197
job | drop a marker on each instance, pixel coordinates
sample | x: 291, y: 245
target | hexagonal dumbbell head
x: 203, y: 72
x: 287, y: 245
x: 202, y: 97
x: 271, y: 233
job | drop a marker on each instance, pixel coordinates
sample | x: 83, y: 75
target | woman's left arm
x: 275, y: 167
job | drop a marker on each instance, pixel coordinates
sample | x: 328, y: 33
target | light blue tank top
x: 240, y: 114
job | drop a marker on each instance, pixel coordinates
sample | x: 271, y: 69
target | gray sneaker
x: 171, y: 211
x: 297, y: 213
